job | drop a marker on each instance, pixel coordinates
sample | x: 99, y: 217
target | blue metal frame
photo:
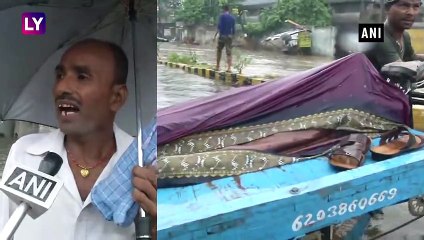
x: 287, y: 202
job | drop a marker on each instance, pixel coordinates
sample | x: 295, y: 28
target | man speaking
x: 397, y: 44
x: 89, y: 90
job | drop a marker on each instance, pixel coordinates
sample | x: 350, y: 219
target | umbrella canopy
x: 28, y: 62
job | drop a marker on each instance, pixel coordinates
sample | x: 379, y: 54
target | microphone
x: 33, y: 191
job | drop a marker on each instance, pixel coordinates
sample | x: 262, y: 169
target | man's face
x: 402, y: 14
x: 84, y: 89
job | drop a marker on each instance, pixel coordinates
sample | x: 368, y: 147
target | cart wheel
x: 416, y: 206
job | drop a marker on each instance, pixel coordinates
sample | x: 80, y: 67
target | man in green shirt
x: 397, y: 45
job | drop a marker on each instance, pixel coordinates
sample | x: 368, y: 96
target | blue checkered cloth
x: 113, y: 195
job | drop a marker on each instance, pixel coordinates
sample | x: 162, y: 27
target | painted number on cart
x: 341, y: 209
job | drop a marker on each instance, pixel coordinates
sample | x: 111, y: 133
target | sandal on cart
x: 395, y: 142
x: 351, y: 151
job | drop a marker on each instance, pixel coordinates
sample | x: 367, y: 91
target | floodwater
x: 175, y: 86
x: 263, y: 63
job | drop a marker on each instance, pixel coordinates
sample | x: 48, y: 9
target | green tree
x: 311, y: 13
x: 305, y: 12
x: 167, y: 9
x: 163, y: 10
x: 194, y: 12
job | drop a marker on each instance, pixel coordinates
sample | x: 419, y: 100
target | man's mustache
x: 67, y: 97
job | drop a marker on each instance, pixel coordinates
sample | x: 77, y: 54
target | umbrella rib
x: 70, y: 40
x: 124, y: 28
x: 58, y: 6
x: 38, y: 4
x: 28, y: 121
x: 81, y: 6
x: 92, y: 29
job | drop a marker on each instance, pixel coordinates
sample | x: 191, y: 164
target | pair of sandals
x: 350, y: 152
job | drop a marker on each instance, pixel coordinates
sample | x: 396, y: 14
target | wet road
x: 263, y: 63
x: 175, y: 86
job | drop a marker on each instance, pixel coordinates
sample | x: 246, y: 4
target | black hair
x: 389, y: 4
x: 119, y: 57
x: 226, y: 8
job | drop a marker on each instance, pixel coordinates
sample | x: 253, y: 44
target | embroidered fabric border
x: 201, y: 154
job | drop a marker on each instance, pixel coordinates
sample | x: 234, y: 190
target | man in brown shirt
x: 397, y: 45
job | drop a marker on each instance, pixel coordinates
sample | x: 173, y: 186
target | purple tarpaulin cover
x: 350, y: 82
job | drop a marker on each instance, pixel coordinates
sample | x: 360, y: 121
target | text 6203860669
x: 341, y: 209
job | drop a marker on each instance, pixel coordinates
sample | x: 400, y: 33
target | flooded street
x: 175, y: 86
x: 263, y: 63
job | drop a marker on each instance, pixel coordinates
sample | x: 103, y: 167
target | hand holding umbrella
x: 145, y: 188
